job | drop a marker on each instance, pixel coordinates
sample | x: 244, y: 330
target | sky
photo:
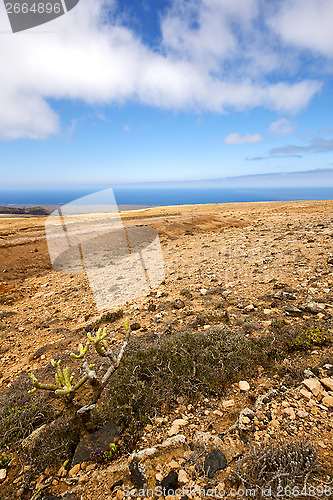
x: 127, y: 92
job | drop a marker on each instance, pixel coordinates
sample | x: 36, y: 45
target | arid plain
x: 246, y: 266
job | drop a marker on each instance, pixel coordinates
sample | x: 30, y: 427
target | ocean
x: 143, y: 196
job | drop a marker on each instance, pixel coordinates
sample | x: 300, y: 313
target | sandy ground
x: 271, y: 260
x: 241, y: 246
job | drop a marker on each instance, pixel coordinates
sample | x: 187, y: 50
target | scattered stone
x: 206, y: 441
x: 74, y: 470
x: 293, y: 311
x: 244, y: 386
x: 290, y: 411
x: 313, y: 385
x: 137, y: 474
x: 312, y: 307
x: 302, y: 414
x: 135, y: 326
x: 176, y: 425
x: 214, y: 461
x: 330, y: 258
x: 327, y: 401
x: 173, y: 442
x: 182, y: 477
x: 328, y: 383
x: 170, y: 483
x: 228, y: 403
x: 308, y: 374
x: 90, y: 467
x: 3, y: 474
x: 173, y: 465
x: 305, y: 394
x: 245, y: 419
x: 178, y: 304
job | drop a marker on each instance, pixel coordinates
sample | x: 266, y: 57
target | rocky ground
x: 249, y: 266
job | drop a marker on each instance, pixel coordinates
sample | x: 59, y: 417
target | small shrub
x: 314, y: 336
x: 54, y: 447
x: 277, y: 467
x: 278, y: 323
x: 4, y: 460
x: 187, y: 364
x: 19, y: 415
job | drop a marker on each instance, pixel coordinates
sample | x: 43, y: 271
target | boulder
x: 100, y: 439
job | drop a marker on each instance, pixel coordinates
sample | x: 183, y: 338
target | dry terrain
x: 245, y: 266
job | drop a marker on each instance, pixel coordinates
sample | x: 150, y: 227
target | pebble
x: 3, y: 474
x: 173, y: 465
x: 244, y: 386
x: 328, y: 383
x: 306, y: 394
x: 176, y: 425
x: 328, y: 401
x: 290, y: 411
x: 74, y: 470
x: 302, y: 413
x: 313, y: 385
x: 84, y: 478
x: 228, y: 403
x: 90, y: 467
x: 214, y: 461
x: 182, y: 477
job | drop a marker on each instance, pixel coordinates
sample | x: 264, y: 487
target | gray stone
x: 293, y: 311
x: 214, y: 461
x: 206, y: 441
x: 137, y: 474
x: 170, y: 483
x: 312, y: 307
x: 99, y: 439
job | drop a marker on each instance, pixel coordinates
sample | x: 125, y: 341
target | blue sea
x: 163, y: 196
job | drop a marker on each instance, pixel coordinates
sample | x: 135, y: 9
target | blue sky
x: 131, y: 91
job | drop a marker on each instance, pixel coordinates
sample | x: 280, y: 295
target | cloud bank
x: 282, y: 127
x: 235, y: 138
x: 316, y: 145
x: 211, y: 57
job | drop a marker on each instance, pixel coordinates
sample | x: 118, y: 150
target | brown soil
x: 246, y: 247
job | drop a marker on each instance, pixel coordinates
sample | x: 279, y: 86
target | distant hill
x: 24, y: 211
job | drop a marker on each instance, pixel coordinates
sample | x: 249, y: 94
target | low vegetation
x: 278, y: 470
x: 152, y: 375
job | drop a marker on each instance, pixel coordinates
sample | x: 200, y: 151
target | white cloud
x: 127, y: 128
x: 202, y: 31
x: 282, y: 127
x: 306, y: 24
x: 235, y: 138
x: 24, y: 114
x: 90, y: 60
